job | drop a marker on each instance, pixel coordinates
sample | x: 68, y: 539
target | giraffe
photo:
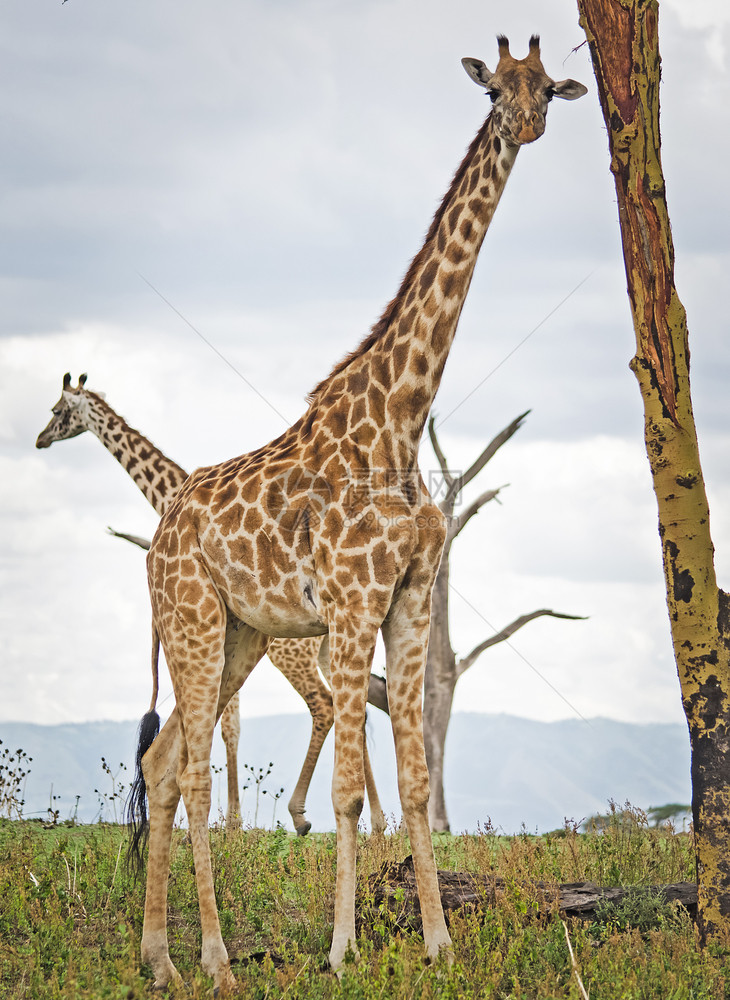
x: 327, y: 530
x: 159, y: 478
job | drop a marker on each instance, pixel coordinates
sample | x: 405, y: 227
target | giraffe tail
x: 136, y: 805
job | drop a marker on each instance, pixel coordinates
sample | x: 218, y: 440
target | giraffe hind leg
x: 322, y: 719
x: 195, y: 651
x: 378, y: 824
x: 297, y: 661
x: 199, y: 711
x: 160, y: 766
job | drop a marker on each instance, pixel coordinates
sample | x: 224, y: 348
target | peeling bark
x: 623, y: 38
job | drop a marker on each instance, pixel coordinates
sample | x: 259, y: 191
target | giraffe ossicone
x: 360, y: 562
x: 159, y: 478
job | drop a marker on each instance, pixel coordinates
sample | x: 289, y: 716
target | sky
x: 204, y: 207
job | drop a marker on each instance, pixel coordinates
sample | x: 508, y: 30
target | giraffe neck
x: 398, y: 368
x: 157, y: 476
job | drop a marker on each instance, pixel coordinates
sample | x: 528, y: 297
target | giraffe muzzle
x: 527, y: 128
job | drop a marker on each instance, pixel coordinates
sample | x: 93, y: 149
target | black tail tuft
x: 135, y: 812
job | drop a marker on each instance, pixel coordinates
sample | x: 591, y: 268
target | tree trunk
x: 442, y: 669
x: 623, y: 37
x: 438, y: 695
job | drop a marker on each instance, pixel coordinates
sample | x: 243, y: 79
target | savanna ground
x: 71, y: 919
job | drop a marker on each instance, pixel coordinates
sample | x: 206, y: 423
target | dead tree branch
x: 489, y: 452
x: 134, y: 539
x: 467, y: 661
x: 459, y: 521
x: 394, y: 888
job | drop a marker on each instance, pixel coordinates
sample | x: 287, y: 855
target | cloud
x: 271, y: 169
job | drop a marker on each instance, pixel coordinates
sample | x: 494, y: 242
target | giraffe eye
x: 550, y: 93
x: 493, y: 94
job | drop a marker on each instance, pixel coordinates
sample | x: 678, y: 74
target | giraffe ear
x: 477, y: 71
x: 569, y: 90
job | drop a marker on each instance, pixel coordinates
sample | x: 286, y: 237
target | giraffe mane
x: 144, y: 441
x: 379, y: 329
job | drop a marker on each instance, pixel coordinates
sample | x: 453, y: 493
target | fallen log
x: 394, y: 887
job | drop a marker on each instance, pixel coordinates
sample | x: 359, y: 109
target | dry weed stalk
x: 574, y: 963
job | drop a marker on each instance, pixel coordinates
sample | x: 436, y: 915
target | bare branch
x: 448, y: 478
x: 458, y: 522
x: 134, y: 539
x: 489, y: 452
x: 463, y: 665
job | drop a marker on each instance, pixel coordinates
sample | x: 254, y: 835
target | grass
x: 71, y: 920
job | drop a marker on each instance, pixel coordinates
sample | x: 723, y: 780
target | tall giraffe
x: 329, y: 529
x: 159, y: 478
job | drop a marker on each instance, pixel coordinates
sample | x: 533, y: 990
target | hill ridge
x: 505, y: 769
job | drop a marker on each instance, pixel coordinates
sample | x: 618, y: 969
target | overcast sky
x: 263, y: 173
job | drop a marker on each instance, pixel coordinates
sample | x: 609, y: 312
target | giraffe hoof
x: 379, y: 825
x: 304, y: 828
x: 442, y: 956
x: 338, y: 961
x: 165, y: 973
x: 165, y: 983
x: 226, y: 984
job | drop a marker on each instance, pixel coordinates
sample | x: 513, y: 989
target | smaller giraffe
x: 159, y: 478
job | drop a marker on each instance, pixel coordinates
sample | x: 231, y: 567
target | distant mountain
x: 501, y: 768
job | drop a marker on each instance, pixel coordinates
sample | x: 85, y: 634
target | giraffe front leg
x: 377, y: 817
x: 352, y: 645
x: 231, y: 732
x: 406, y: 645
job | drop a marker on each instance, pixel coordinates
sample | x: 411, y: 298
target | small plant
x: 275, y: 796
x: 74, y: 818
x: 216, y: 771
x: 618, y: 820
x: 52, y: 813
x: 110, y: 800
x: 640, y: 910
x: 14, y: 771
x: 258, y: 776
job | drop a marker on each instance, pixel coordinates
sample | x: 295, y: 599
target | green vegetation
x: 71, y: 921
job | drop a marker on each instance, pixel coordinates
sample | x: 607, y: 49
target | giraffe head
x: 520, y: 91
x: 68, y: 414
